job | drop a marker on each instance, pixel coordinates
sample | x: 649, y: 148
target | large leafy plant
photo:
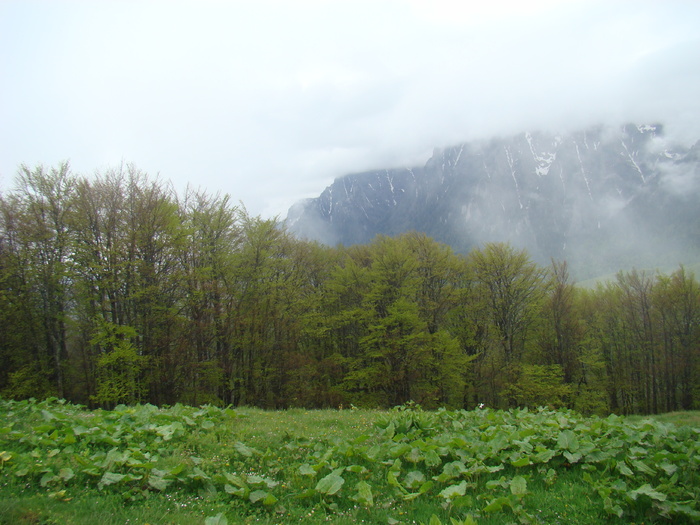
x: 476, y: 464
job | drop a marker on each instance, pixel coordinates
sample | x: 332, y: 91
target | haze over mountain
x: 270, y: 101
x: 602, y: 198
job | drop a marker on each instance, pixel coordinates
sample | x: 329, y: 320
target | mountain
x: 603, y: 199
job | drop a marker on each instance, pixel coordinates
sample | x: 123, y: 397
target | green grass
x: 63, y: 464
x: 689, y: 418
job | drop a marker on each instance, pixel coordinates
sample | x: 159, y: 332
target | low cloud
x: 270, y: 101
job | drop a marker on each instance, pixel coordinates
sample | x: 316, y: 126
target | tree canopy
x: 116, y: 289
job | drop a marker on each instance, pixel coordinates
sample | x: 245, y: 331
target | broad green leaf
x: 572, y: 458
x: 647, y: 490
x: 109, y: 478
x: 176, y: 470
x: 399, y: 450
x: 198, y: 474
x: 612, y: 508
x: 134, y: 463
x: 492, y: 484
x: 330, y: 484
x: 624, y: 469
x: 60, y: 495
x: 642, y: 467
x: 499, y: 442
x: 257, y: 495
x: 518, y: 486
x: 245, y: 450
x: 48, y: 416
x: 270, y: 499
x: 219, y: 519
x: 544, y: 456
x: 521, y: 462
x: 425, y: 487
x: 207, y: 424
x: 234, y: 479
x: 431, y: 458
x: 158, y: 483
x: 109, y: 440
x: 451, y: 470
x: 254, y: 479
x: 169, y: 431
x: 389, y: 431
x: 306, y: 470
x: 550, y: 477
x: 668, y: 468
x: 207, y: 490
x: 47, y: 478
x: 638, y: 452
x: 364, y: 494
x: 497, y: 505
x: 567, y: 441
x: 453, y: 491
x: 66, y: 473
x: 236, y: 491
x: 392, y: 479
x: 414, y: 479
x: 415, y: 455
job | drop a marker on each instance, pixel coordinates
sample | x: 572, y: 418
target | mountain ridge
x: 603, y: 198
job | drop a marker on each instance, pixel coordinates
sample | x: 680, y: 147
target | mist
x: 271, y: 101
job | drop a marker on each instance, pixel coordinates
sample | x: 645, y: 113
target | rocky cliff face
x: 603, y: 199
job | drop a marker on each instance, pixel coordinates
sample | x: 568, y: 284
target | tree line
x: 117, y: 289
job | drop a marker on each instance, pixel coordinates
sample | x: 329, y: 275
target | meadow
x: 62, y: 463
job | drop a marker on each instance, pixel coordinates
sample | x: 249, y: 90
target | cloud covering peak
x: 270, y: 101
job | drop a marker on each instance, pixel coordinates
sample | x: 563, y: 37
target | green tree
x: 25, y: 369
x: 563, y: 327
x: 42, y: 236
x: 335, y: 323
x: 101, y: 256
x: 119, y: 367
x: 592, y: 385
x: 153, y: 280
x: 390, y: 304
x: 637, y: 310
x: 677, y: 298
x: 206, y: 256
x: 512, y: 289
x: 540, y: 385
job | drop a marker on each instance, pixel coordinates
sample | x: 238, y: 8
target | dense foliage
x: 115, y: 289
x: 539, y: 466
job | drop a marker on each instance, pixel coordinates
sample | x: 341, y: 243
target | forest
x: 116, y: 288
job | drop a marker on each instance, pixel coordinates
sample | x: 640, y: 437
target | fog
x: 269, y: 101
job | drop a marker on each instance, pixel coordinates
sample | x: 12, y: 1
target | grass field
x: 64, y: 464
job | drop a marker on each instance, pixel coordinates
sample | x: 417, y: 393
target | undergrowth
x: 62, y: 463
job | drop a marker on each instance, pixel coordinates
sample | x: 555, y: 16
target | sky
x: 269, y: 100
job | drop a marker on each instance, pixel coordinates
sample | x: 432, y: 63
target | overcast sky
x: 269, y: 101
